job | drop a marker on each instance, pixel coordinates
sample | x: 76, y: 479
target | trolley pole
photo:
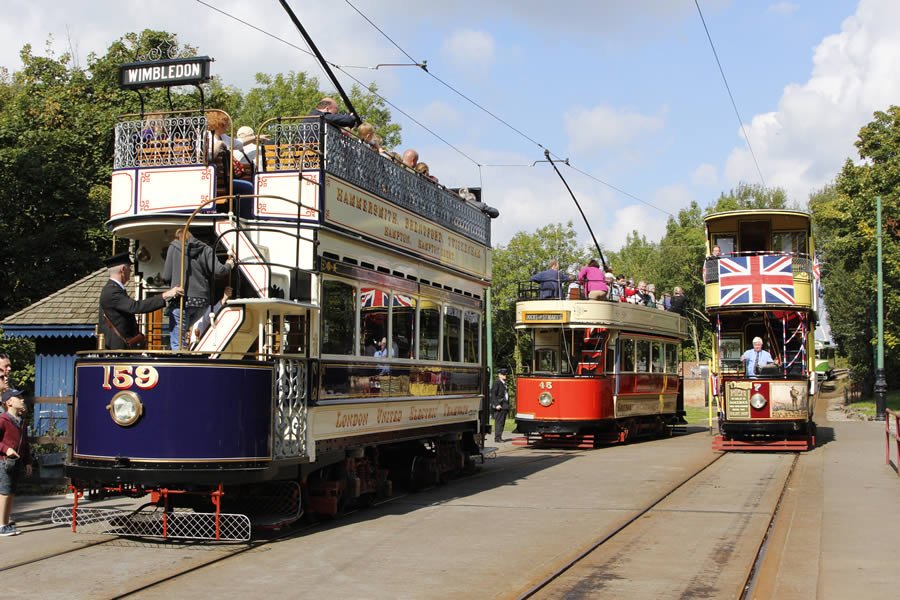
x: 880, y: 381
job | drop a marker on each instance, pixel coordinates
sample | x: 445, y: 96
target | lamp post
x: 880, y: 381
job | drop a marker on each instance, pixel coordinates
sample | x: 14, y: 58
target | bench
x: 290, y: 157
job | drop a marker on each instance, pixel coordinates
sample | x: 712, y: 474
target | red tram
x: 606, y: 371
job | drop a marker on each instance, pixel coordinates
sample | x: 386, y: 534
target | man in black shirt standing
x: 500, y: 403
x: 329, y: 108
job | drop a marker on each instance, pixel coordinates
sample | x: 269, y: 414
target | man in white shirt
x: 755, y: 358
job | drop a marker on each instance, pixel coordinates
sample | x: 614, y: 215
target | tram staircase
x: 260, y: 277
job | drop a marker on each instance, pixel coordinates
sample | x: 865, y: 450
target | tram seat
x: 175, y: 151
x: 290, y: 157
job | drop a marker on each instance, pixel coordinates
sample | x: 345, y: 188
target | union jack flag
x: 372, y: 298
x: 756, y: 280
x: 375, y: 298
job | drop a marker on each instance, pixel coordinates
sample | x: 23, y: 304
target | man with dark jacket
x: 678, y: 301
x: 117, y: 309
x: 500, y: 403
x: 200, y: 267
x: 329, y: 108
x: 549, y: 281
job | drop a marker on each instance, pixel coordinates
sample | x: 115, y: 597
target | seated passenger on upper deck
x: 328, y: 108
x: 550, y: 280
x: 410, y: 158
x: 220, y: 147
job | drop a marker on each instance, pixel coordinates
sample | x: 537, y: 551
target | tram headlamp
x: 545, y: 399
x: 125, y: 408
x: 757, y: 401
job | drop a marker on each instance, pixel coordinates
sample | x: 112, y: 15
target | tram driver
x: 756, y: 358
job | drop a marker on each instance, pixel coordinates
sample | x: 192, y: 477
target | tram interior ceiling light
x: 545, y: 399
x: 757, y: 401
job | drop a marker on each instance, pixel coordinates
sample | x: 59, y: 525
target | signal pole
x: 880, y: 381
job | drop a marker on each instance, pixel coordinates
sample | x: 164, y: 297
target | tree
x: 750, y: 195
x: 295, y: 94
x: 845, y: 229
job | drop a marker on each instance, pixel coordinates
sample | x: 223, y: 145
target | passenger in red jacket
x: 16, y: 455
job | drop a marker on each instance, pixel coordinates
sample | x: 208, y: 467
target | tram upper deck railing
x: 170, y: 152
x: 746, y: 279
x: 600, y: 313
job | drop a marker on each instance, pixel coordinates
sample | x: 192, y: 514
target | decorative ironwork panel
x: 160, y: 141
x: 290, y: 417
x: 187, y: 525
x: 355, y: 162
x: 711, y: 270
x: 292, y: 145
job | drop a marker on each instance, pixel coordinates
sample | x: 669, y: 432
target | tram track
x: 550, y: 585
x: 91, y: 551
x: 308, y: 529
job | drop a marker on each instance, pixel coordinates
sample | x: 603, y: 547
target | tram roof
x: 622, y: 316
x: 756, y: 212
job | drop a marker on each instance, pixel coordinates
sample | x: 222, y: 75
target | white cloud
x: 469, y: 50
x: 442, y: 116
x: 647, y: 221
x: 705, y: 174
x: 802, y: 145
x: 591, y: 130
x: 783, y: 8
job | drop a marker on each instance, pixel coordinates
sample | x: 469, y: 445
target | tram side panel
x: 561, y: 405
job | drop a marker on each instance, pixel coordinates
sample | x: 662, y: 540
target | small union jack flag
x: 756, y: 280
x: 372, y: 298
x: 375, y: 298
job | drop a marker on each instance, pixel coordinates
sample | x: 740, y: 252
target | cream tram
x: 760, y: 288
x: 349, y: 360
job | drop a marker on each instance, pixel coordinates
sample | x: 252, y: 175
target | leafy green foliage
x: 845, y: 229
x: 56, y: 148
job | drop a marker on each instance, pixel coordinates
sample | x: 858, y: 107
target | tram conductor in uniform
x: 117, y: 309
x: 500, y: 403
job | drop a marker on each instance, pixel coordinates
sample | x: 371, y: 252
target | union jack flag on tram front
x: 756, y: 279
x: 761, y: 300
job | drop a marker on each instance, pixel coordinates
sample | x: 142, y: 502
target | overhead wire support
x: 324, y: 63
x: 575, y: 200
x: 730, y: 95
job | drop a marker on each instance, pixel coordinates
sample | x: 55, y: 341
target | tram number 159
x: 126, y: 376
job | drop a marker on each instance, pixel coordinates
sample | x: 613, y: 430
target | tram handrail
x: 888, y: 434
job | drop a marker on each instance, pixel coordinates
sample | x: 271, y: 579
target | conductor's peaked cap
x: 123, y: 258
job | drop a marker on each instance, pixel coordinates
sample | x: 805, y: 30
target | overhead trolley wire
x: 730, y: 95
x: 343, y: 69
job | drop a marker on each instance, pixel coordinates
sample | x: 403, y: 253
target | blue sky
x: 629, y: 91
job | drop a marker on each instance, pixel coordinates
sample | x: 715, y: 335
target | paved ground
x: 492, y: 535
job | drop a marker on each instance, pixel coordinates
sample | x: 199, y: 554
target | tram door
x: 755, y: 236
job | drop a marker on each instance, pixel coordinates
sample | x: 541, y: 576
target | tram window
x: 627, y: 350
x: 642, y: 356
x: 611, y: 358
x: 657, y: 362
x: 429, y: 330
x: 294, y: 334
x: 545, y: 360
x: 338, y: 317
x: 789, y: 241
x: 471, y: 331
x: 671, y: 358
x: 725, y: 243
x: 373, y: 319
x: 403, y: 321
x: 452, y: 333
